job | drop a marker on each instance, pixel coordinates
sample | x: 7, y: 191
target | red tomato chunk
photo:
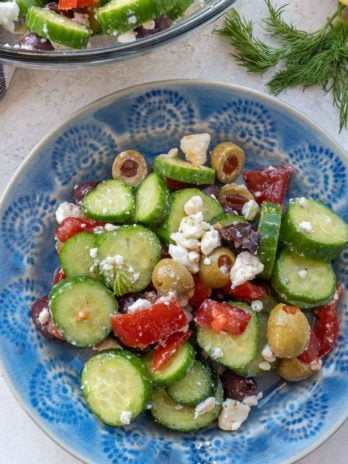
x: 311, y: 353
x: 164, y: 352
x: 222, y: 317
x: 201, y: 293
x: 72, y: 226
x: 247, y: 291
x: 268, y: 184
x: 150, y: 325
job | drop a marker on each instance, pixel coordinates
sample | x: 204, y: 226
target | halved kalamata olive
x: 237, y: 387
x: 241, y: 236
x: 211, y: 190
x: 35, y: 42
x: 152, y: 27
x: 43, y: 320
x: 81, y: 190
x: 233, y: 197
x: 228, y: 160
x: 130, y: 167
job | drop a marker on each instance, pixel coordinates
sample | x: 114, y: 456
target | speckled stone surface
x: 39, y: 101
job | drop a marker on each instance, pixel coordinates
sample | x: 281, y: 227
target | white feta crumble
x: 9, y: 13
x: 140, y: 303
x: 233, y: 414
x: 110, y: 227
x: 193, y: 205
x: 205, y: 406
x: 305, y: 226
x: 265, y: 366
x: 189, y: 243
x: 127, y: 37
x: 93, y: 253
x: 257, y: 194
x: 125, y: 417
x: 250, y: 210
x: 193, y: 226
x: 207, y: 261
x: 181, y: 255
x: 302, y: 273
x: 195, y: 147
x: 149, y: 24
x: 44, y: 316
x: 216, y: 353
x: 257, y: 305
x: 246, y: 267
x: 251, y: 400
x: 268, y: 354
x: 132, y: 19
x: 66, y: 210
x: 302, y: 201
x: 316, y: 365
x: 210, y: 241
x: 173, y: 153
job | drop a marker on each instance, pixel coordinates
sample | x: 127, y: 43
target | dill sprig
x: 304, y: 58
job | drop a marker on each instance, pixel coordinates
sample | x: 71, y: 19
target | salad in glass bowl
x: 190, y: 286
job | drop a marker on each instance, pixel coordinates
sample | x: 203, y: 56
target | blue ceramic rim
x: 146, y: 87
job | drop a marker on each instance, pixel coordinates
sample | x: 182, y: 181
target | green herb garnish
x: 317, y: 58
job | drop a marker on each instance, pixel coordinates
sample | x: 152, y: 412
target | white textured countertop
x: 39, y: 101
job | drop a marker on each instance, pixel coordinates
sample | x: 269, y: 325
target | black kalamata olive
x: 241, y: 237
x: 160, y: 24
x: 35, y: 42
x: 237, y: 387
x: 81, y: 190
x: 211, y: 190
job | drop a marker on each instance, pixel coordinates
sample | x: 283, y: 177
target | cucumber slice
x: 152, y: 200
x: 195, y: 387
x: 24, y: 5
x: 82, y: 308
x: 110, y: 201
x: 115, y: 384
x: 327, y: 234
x: 182, y: 418
x: 177, y: 368
x: 303, y: 282
x: 183, y: 171
x: 211, y: 209
x: 122, y: 15
x: 226, y: 219
x: 237, y: 350
x: 269, y: 228
x: 53, y: 26
x: 75, y: 255
x: 252, y: 369
x: 138, y: 251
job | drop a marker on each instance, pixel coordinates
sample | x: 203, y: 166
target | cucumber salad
x: 190, y: 290
x: 71, y: 23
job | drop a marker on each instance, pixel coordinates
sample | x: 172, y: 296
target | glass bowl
x: 104, y: 49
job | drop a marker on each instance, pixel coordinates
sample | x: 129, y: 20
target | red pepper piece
x: 150, y: 325
x: 327, y: 326
x: 72, y: 226
x: 222, y: 317
x: 70, y: 4
x: 247, y: 291
x: 164, y: 352
x: 176, y: 184
x: 311, y: 352
x: 58, y: 275
x: 202, y: 292
x: 268, y: 184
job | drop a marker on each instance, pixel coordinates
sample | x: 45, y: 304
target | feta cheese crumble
x: 251, y: 400
x: 193, y: 205
x: 195, y: 147
x: 140, y: 303
x: 9, y: 13
x: 125, y: 417
x: 257, y: 305
x: 67, y: 209
x: 302, y: 201
x: 216, y: 353
x: 205, y: 406
x: 127, y: 37
x: 265, y: 366
x: 246, y: 267
x: 210, y: 241
x: 268, y: 354
x: 93, y: 253
x: 305, y: 226
x: 250, y: 210
x: 233, y: 414
x: 44, y: 316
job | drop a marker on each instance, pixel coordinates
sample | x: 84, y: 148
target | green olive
x: 228, y: 161
x: 130, y: 167
x: 214, y: 270
x: 294, y: 370
x: 288, y: 331
x: 170, y: 276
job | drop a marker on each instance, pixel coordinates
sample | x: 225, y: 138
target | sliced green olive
x: 295, y: 370
x: 234, y: 196
x: 130, y: 167
x: 170, y: 276
x: 288, y: 331
x: 214, y: 270
x: 227, y: 159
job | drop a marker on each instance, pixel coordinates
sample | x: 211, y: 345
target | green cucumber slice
x: 110, y: 201
x: 235, y: 351
x: 152, y: 200
x: 82, y: 309
x: 136, y: 251
x: 252, y: 369
x: 176, y: 370
x: 226, y: 219
x: 211, y: 209
x: 75, y: 255
x: 324, y: 237
x: 301, y: 281
x: 269, y: 228
x: 195, y: 387
x: 24, y: 6
x: 183, y: 171
x: 182, y: 418
x: 53, y: 26
x: 116, y: 386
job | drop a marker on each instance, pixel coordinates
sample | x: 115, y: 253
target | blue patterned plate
x: 44, y: 375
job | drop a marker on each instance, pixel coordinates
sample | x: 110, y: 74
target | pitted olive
x: 228, y: 161
x: 130, y: 167
x: 214, y: 270
x: 170, y: 276
x: 295, y: 370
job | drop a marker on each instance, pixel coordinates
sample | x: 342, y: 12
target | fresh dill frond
x: 306, y: 58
